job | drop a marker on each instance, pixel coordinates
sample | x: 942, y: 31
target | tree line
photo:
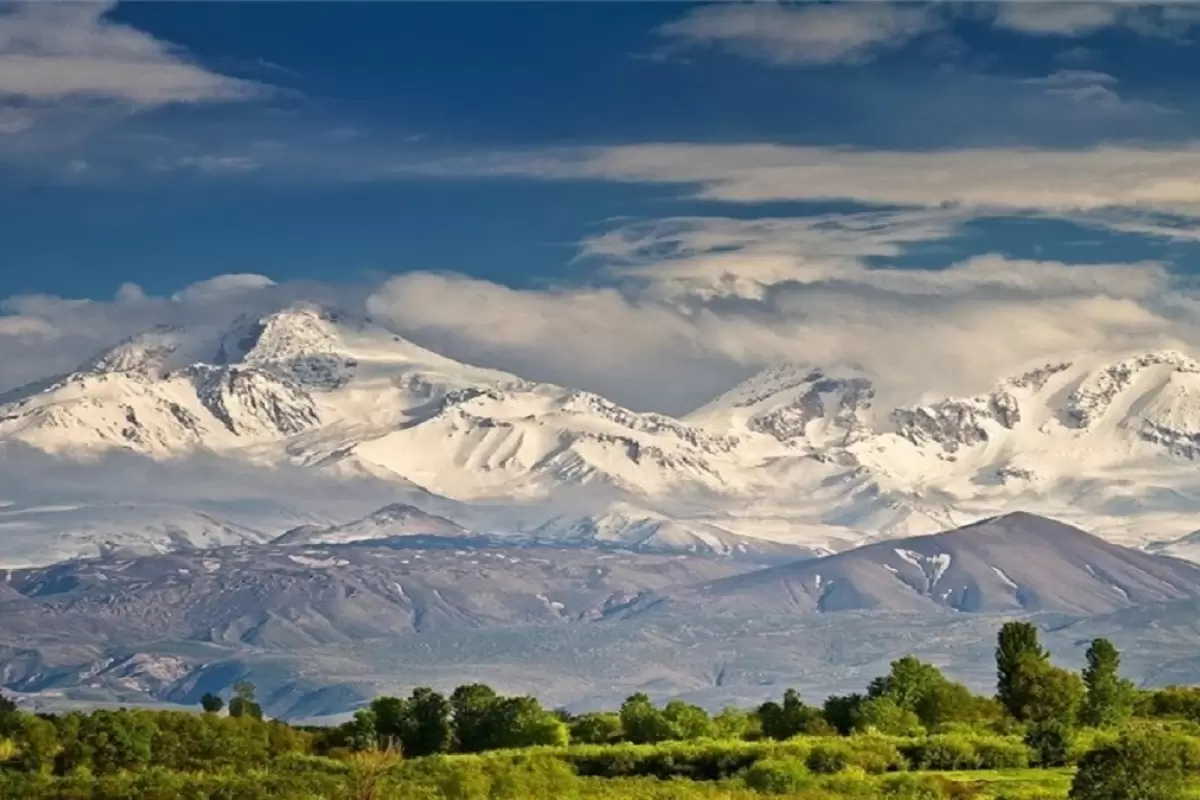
x: 1041, y: 707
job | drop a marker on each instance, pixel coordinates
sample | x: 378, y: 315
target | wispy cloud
x: 53, y: 51
x: 1165, y: 179
x: 1097, y: 90
x: 810, y: 34
x: 1074, y: 19
x: 803, y: 34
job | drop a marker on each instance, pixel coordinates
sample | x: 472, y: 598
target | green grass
x: 1015, y: 784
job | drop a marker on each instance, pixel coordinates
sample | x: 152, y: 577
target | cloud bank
x: 676, y: 310
x: 740, y: 294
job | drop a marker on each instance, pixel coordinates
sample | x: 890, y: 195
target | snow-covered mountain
x: 801, y: 456
x: 397, y: 519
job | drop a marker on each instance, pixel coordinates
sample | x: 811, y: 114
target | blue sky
x: 699, y: 175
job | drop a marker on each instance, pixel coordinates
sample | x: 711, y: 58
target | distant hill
x: 319, y: 627
x: 1013, y: 563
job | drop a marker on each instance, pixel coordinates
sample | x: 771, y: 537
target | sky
x: 651, y: 200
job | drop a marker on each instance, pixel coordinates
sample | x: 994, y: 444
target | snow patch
x: 318, y: 563
x: 1009, y: 582
x: 941, y: 563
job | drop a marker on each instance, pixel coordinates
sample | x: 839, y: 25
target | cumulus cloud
x: 1165, y: 179
x: 677, y: 310
x: 632, y: 349
x: 803, y: 34
x: 741, y: 294
x: 53, y: 51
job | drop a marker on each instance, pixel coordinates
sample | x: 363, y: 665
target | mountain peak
x: 1011, y: 563
x: 151, y: 352
x: 792, y: 402
x: 296, y: 331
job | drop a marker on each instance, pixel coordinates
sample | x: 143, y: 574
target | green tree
x: 1141, y: 765
x: 107, y: 741
x: 1046, y: 693
x: 950, y: 702
x: 10, y: 717
x: 689, y: 721
x: 1017, y: 648
x: 596, y: 728
x: 522, y: 722
x: 841, y: 711
x: 733, y: 723
x: 909, y: 681
x: 472, y: 709
x: 426, y: 728
x: 643, y: 723
x: 1182, y: 702
x: 211, y: 703
x: 361, y: 733
x: 243, y: 703
x: 1109, y: 700
x: 792, y: 718
x: 885, y: 715
x: 391, y: 719
x: 39, y: 744
x: 1050, y: 742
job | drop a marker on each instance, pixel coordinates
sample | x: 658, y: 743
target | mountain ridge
x: 339, y: 622
x: 798, y: 455
x: 1012, y: 563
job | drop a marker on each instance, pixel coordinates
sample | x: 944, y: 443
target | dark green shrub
x: 947, y: 753
x: 1141, y: 765
x: 777, y: 776
x: 1050, y: 743
x: 827, y: 759
x: 875, y: 754
x: 998, y: 753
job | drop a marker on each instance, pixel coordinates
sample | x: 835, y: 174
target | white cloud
x: 1094, y: 90
x: 1165, y: 179
x: 632, y: 349
x: 1061, y: 19
x: 44, y: 335
x: 849, y: 32
x: 53, y: 51
x: 223, y: 287
x: 682, y: 308
x: 1075, y: 19
x: 723, y: 297
x: 26, y: 327
x: 712, y: 256
x: 803, y: 34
